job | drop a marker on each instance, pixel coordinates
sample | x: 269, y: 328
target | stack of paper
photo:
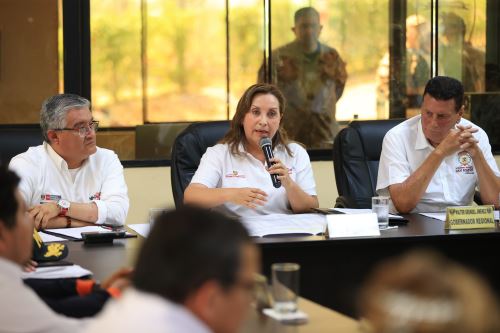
x: 275, y: 224
x: 141, y: 228
x: 57, y: 272
x: 76, y: 233
x: 50, y: 238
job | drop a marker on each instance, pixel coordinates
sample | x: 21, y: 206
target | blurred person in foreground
x: 21, y: 309
x: 423, y: 292
x: 195, y: 273
x: 234, y: 176
x: 312, y: 76
x: 68, y: 181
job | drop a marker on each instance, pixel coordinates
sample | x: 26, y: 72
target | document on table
x: 436, y: 216
x: 442, y: 216
x: 275, y: 224
x: 50, y: 238
x: 141, y: 228
x: 362, y: 211
x: 57, y: 272
x: 76, y: 233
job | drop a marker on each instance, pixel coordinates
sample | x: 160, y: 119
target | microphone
x: 267, y: 147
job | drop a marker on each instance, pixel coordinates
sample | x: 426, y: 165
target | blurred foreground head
x: 202, y: 260
x: 423, y: 292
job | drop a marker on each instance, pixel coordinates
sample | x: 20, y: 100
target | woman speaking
x: 234, y: 175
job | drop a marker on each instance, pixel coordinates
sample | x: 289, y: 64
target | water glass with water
x: 285, y: 277
x: 153, y: 214
x: 380, y: 206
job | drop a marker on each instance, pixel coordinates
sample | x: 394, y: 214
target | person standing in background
x: 312, y: 77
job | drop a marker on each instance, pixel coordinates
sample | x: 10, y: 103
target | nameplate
x: 470, y: 217
x: 352, y: 225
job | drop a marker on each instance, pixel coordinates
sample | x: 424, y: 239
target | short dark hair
x: 186, y: 248
x: 444, y: 88
x: 8, y: 201
x: 303, y: 12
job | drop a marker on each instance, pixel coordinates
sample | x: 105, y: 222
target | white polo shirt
x: 23, y: 311
x: 405, y: 148
x: 139, y: 311
x: 45, y: 177
x: 220, y: 169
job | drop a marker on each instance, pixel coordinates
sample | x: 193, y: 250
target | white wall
x: 151, y: 188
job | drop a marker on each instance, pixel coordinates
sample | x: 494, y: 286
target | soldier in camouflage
x: 312, y: 77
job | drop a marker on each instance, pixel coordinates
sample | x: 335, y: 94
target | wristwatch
x: 63, y: 207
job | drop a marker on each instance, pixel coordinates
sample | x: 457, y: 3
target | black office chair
x: 356, y: 155
x: 189, y: 147
x: 16, y: 139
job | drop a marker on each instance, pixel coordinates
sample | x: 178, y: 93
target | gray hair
x: 55, y: 108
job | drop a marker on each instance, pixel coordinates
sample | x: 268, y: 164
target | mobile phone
x: 397, y: 221
x: 101, y: 236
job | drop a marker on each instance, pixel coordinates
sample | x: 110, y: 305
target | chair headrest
x: 371, y: 133
x: 189, y: 147
x: 16, y: 139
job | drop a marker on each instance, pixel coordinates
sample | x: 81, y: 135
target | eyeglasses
x: 82, y: 131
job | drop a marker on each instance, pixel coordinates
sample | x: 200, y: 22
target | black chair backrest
x: 16, y: 139
x: 356, y: 155
x: 189, y: 147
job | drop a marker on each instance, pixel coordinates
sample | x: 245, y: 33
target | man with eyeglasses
x: 68, y: 181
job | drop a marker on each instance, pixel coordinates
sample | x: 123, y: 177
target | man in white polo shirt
x: 22, y: 311
x: 437, y: 159
x: 68, y: 181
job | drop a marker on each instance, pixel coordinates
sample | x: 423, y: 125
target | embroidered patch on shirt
x: 96, y: 196
x: 44, y: 198
x: 465, y: 165
x: 235, y: 174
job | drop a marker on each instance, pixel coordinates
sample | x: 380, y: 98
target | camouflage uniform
x: 312, y: 84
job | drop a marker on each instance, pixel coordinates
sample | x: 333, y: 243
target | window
x: 153, y: 66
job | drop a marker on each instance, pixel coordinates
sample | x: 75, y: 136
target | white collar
x: 57, y: 159
x: 421, y: 142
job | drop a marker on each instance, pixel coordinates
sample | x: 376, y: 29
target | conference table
x: 103, y: 259
x: 334, y: 270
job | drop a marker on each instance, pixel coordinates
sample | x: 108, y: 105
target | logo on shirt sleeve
x: 44, y: 198
x: 465, y: 163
